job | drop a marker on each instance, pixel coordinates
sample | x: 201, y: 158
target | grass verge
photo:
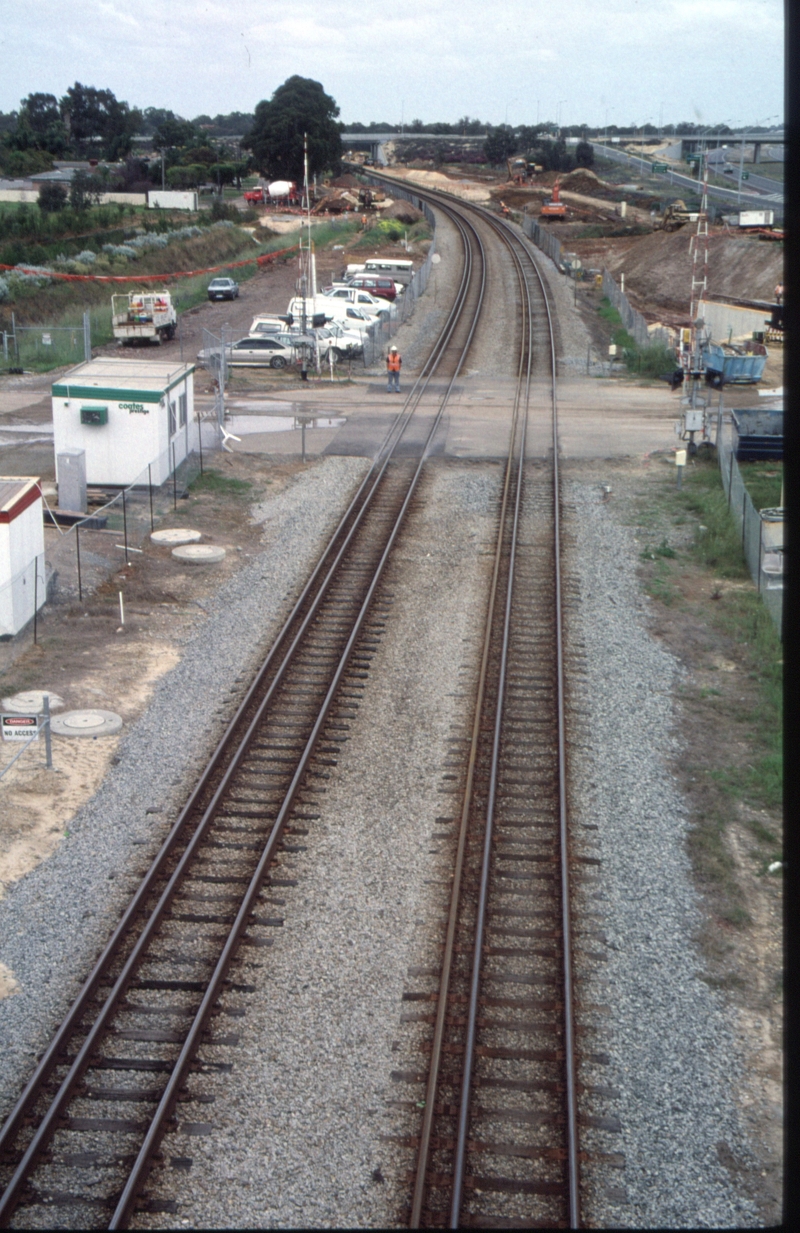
x: 693, y: 565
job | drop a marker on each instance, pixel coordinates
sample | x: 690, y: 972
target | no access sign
x: 19, y: 727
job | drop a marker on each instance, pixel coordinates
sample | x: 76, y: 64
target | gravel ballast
x: 55, y: 921
x: 297, y: 1125
x: 673, y: 1054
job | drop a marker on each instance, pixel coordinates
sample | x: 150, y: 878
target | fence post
x: 48, y: 747
x: 150, y: 490
x: 78, y: 554
x: 760, y: 547
x: 125, y: 525
x: 174, y: 479
x: 87, y: 337
x: 730, y: 477
x: 200, y: 442
x: 744, y: 517
x: 35, y: 598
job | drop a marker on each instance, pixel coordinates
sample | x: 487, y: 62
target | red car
x: 376, y: 284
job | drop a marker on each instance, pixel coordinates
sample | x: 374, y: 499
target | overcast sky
x: 616, y: 62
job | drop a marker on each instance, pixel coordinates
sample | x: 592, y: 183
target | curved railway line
x: 497, y: 1143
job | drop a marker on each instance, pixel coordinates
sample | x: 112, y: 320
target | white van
x: 397, y: 268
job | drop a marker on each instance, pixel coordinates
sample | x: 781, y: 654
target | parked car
x: 223, y: 289
x: 270, y: 351
x: 342, y: 343
x: 376, y: 284
x: 271, y: 323
x: 334, y: 310
x: 369, y: 304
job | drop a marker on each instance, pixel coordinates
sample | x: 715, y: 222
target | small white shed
x: 22, y: 570
x: 126, y: 414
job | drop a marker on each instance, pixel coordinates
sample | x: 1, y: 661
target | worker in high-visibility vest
x: 393, y: 363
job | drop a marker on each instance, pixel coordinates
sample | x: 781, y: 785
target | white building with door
x: 128, y: 415
x: 23, y: 586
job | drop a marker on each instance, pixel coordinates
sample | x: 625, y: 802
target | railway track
x: 78, y: 1147
x: 498, y: 1138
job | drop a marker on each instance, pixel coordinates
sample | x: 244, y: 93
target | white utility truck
x: 143, y: 314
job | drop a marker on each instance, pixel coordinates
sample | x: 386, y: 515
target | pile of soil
x: 345, y: 181
x: 658, y: 267
x: 403, y: 211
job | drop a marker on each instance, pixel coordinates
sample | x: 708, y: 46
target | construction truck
x: 676, y: 215
x: 554, y: 208
x: 143, y: 314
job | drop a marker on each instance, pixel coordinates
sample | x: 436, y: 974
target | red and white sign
x: 19, y: 727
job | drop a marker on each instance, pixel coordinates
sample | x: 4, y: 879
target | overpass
x: 374, y: 142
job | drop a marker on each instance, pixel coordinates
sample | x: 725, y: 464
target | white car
x: 368, y: 303
x: 334, y: 309
x: 341, y: 343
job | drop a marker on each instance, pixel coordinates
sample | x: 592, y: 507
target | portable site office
x: 22, y: 569
x: 127, y: 415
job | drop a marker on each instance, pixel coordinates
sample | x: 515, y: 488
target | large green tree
x: 98, y: 122
x: 276, y: 139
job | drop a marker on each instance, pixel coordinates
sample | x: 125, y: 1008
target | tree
x: 584, y: 154
x: 205, y: 154
x: 298, y: 106
x: 52, y: 198
x: 187, y: 177
x: 39, y: 125
x: 85, y: 190
x: 96, y: 118
x: 500, y: 144
x: 173, y: 133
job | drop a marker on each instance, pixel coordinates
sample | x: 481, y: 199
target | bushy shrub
x: 87, y: 257
x: 5, y: 290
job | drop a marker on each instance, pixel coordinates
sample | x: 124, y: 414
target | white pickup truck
x: 143, y: 314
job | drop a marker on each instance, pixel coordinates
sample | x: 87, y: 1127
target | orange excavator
x: 554, y: 208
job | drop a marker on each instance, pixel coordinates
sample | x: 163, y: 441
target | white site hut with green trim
x: 127, y: 415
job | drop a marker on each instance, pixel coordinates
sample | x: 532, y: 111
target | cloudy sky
x: 616, y: 62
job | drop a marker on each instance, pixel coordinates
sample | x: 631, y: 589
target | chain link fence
x: 633, y: 320
x: 751, y: 527
x: 543, y: 239
x: 42, y: 347
x: 377, y: 337
x: 78, y: 559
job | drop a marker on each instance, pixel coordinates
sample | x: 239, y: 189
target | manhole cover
x: 31, y: 702
x: 86, y: 723
x: 176, y: 535
x: 199, y: 554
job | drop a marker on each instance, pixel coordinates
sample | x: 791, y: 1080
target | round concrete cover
x: 176, y: 535
x: 86, y: 723
x: 31, y: 702
x: 199, y: 554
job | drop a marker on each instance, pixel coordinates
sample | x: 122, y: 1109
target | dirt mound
x: 403, y: 211
x: 658, y: 268
x: 582, y: 180
x: 345, y: 181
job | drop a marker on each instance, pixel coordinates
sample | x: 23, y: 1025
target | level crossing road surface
x: 598, y: 417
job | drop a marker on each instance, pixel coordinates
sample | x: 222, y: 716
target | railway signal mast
x: 694, y: 407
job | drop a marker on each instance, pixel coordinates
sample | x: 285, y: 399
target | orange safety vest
x: 393, y: 361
